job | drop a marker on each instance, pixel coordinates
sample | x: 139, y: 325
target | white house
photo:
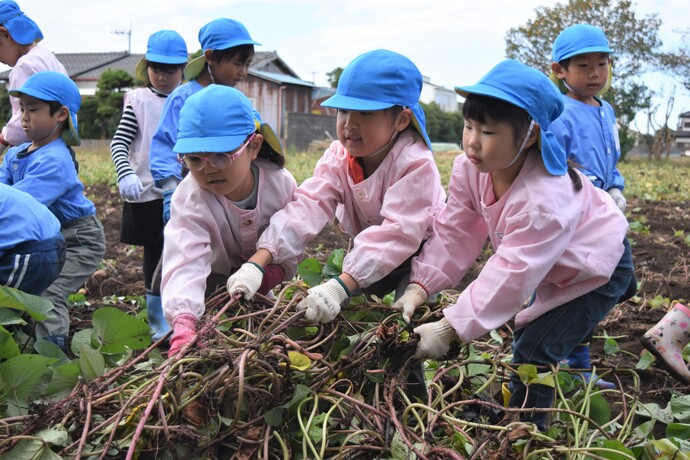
x: 445, y: 98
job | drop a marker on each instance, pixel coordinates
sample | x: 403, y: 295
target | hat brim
x: 194, y: 68
x: 71, y: 135
x: 490, y: 91
x: 163, y: 59
x: 338, y: 101
x: 591, y: 49
x: 218, y: 144
x: 270, y: 137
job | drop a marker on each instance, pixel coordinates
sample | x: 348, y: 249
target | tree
x: 442, y: 126
x: 100, y: 115
x: 634, y: 40
x: 334, y: 76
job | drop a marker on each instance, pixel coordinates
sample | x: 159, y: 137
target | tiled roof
x: 90, y: 66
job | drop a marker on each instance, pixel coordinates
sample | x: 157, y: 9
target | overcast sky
x: 454, y: 42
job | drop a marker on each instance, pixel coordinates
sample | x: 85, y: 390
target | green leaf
x: 614, y: 444
x: 65, y: 378
x: 55, y: 435
x: 599, y: 409
x: 10, y: 317
x: 654, y: 411
x: 23, y: 378
x: 315, y: 431
x: 31, y: 450
x: 527, y: 372
x: 680, y: 407
x: 83, y: 339
x: 274, y: 417
x: 91, y: 363
x: 8, y: 346
x: 611, y: 346
x: 117, y: 331
x: 334, y: 264
x: 678, y: 430
x: 37, y: 307
x: 50, y: 350
x: 668, y: 448
x: 646, y: 360
x: 310, y: 271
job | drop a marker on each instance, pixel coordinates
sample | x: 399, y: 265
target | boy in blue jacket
x: 46, y: 169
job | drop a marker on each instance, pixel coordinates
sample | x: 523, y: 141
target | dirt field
x: 662, y: 266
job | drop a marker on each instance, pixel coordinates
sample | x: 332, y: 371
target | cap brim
x: 591, y: 49
x: 490, y: 91
x: 338, y: 101
x: 163, y: 59
x: 219, y: 144
x: 194, y: 68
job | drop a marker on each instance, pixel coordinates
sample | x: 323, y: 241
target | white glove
x: 130, y: 187
x: 618, y: 198
x: 412, y: 298
x: 434, y: 339
x: 323, y: 302
x: 246, y: 280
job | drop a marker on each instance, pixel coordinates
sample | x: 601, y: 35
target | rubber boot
x: 579, y: 359
x: 61, y: 341
x: 154, y: 311
x: 667, y: 339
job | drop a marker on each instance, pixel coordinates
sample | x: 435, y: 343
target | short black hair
x: 161, y: 67
x: 243, y: 52
x: 484, y: 108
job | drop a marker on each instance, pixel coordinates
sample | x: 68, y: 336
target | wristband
x: 342, y: 284
x: 261, y: 269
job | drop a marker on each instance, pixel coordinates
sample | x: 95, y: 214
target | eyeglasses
x: 195, y: 162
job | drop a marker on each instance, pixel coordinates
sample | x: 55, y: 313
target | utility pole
x: 129, y: 36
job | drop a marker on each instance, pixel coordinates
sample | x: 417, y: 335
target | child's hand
x: 413, y: 297
x: 167, y: 198
x: 130, y: 187
x: 434, y: 339
x: 246, y: 280
x: 618, y: 198
x: 323, y: 302
x: 184, y: 329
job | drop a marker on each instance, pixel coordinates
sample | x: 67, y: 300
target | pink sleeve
x: 459, y: 233
x: 532, y: 244
x: 314, y: 204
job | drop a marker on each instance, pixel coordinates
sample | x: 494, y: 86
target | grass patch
x: 645, y: 179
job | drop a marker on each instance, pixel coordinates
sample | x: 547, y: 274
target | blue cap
x: 22, y: 29
x: 579, y: 39
x: 219, y: 34
x: 55, y: 86
x: 378, y: 80
x: 164, y: 47
x: 513, y: 82
x: 216, y: 119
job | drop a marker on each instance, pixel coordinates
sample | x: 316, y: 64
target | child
x: 556, y: 237
x: 32, y: 250
x: 161, y: 69
x: 587, y: 129
x: 379, y: 179
x: 667, y: 339
x: 45, y: 169
x: 228, y: 51
x: 19, y: 36
x: 236, y: 183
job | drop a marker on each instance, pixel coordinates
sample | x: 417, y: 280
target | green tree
x: 100, y: 114
x: 334, y: 76
x: 442, y: 126
x: 5, y: 107
x: 634, y: 40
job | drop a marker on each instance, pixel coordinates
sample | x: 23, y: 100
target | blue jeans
x: 550, y: 338
x: 32, y: 266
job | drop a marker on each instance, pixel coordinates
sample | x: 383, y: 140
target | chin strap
x: 522, y: 146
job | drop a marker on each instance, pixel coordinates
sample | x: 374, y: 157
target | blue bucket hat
x: 55, y: 86
x: 216, y: 119
x: 575, y: 40
x: 22, y: 29
x: 378, y: 80
x: 219, y: 34
x: 163, y: 47
x: 527, y: 88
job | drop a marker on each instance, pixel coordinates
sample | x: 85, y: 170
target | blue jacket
x: 590, y: 138
x: 49, y: 175
x: 23, y: 219
x: 164, y: 164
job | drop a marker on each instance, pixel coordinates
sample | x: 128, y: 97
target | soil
x: 662, y: 267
